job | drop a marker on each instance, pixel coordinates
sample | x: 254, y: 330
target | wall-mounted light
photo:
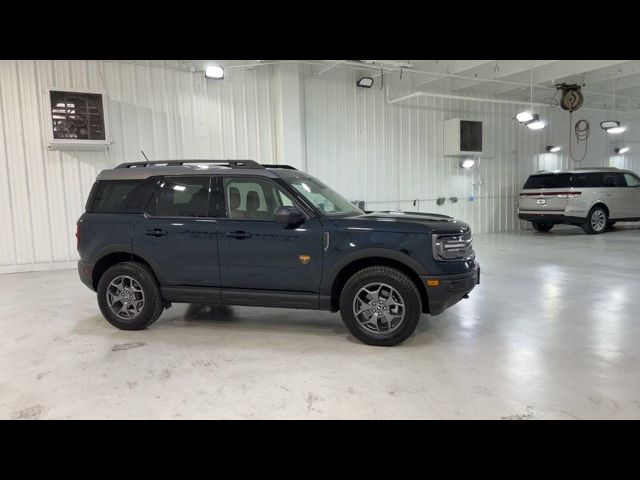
x: 524, y: 117
x: 365, y: 82
x: 535, y: 123
x: 467, y: 163
x: 621, y: 150
x: 553, y: 149
x: 214, y: 71
x: 612, y: 126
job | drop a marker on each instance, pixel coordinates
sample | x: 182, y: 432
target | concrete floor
x: 553, y: 332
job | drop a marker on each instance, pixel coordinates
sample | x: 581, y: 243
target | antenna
x: 147, y: 159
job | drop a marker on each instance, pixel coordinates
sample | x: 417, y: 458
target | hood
x: 404, y: 222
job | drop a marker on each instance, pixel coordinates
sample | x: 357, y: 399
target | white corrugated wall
x: 167, y: 112
x: 388, y: 155
x: 391, y: 155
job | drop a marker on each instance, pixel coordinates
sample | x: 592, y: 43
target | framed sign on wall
x: 77, y: 120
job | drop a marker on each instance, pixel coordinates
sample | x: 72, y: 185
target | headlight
x: 455, y: 247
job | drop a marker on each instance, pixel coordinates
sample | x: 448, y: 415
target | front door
x: 259, y: 253
x: 178, y: 232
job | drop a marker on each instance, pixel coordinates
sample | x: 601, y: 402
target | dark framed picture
x: 77, y: 119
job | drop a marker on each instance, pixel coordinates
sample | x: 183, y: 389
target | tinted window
x: 585, y: 180
x: 182, y: 197
x: 632, y: 180
x: 253, y: 198
x: 548, y: 180
x: 121, y: 196
x: 613, y: 180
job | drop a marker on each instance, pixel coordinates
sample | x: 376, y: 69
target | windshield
x: 322, y: 197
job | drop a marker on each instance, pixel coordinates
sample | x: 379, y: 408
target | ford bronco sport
x: 236, y: 232
x: 592, y: 198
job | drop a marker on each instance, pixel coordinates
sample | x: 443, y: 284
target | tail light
x: 77, y: 236
x: 552, y: 194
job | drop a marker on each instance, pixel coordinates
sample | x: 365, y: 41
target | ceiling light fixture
x: 615, y: 130
x: 365, y: 82
x: 536, y: 123
x: 621, y: 150
x: 553, y: 149
x: 214, y: 71
x: 524, y: 117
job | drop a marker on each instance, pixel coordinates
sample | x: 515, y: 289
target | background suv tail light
x: 77, y: 236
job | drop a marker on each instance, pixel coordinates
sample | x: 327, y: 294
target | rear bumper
x: 551, y: 218
x: 85, y: 270
x: 450, y: 289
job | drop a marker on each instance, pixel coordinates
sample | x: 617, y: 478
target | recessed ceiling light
x: 621, y: 150
x: 524, y: 117
x: 214, y: 71
x: 553, y: 149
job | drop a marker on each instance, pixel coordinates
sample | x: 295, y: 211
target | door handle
x: 156, y: 232
x: 238, y: 234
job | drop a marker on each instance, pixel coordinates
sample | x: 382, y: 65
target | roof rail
x: 180, y: 163
x: 614, y: 169
x: 269, y: 165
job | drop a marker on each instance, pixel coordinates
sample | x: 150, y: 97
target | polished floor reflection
x: 553, y: 331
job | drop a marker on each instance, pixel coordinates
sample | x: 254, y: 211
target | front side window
x: 322, y: 197
x: 632, y: 180
x: 182, y: 197
x: 253, y: 198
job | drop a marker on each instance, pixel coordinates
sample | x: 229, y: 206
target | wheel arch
x: 111, y: 259
x: 348, y: 270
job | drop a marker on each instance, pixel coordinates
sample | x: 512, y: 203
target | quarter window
x: 182, y: 197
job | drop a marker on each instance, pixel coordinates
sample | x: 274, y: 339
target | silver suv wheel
x: 125, y: 297
x: 598, y: 220
x: 379, y: 308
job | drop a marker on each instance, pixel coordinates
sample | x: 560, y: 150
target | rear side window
x: 182, y: 197
x: 121, y: 196
x: 613, y: 180
x: 548, y: 180
x: 632, y: 180
x: 586, y: 180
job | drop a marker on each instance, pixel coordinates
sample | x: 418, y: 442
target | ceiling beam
x: 450, y: 67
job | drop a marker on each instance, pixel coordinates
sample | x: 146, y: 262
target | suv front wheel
x: 129, y: 296
x: 596, y: 221
x: 380, y: 306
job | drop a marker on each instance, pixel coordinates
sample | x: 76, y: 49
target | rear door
x: 615, y: 195
x: 177, y: 234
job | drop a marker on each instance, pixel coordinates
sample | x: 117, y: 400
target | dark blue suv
x: 236, y: 232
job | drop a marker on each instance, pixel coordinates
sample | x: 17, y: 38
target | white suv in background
x: 592, y: 198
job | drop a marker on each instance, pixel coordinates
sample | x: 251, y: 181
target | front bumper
x: 85, y: 270
x: 450, y: 289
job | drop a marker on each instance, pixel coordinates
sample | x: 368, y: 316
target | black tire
x: 403, y: 286
x: 153, y: 304
x: 597, y: 211
x: 542, y: 227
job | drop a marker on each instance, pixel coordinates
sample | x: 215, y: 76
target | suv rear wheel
x: 542, y: 227
x: 596, y: 220
x: 380, y: 306
x: 129, y: 296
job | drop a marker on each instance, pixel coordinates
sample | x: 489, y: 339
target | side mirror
x: 290, y: 216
